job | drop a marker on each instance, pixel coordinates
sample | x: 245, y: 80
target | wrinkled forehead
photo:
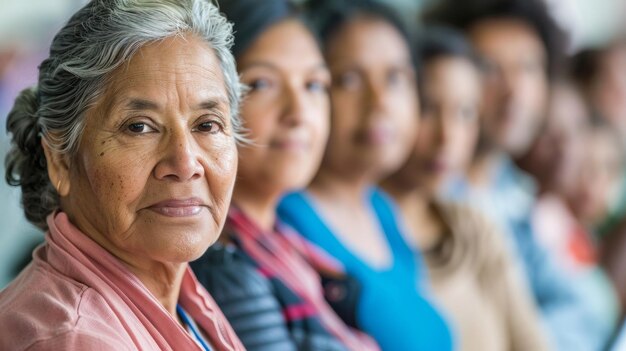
x: 177, y: 69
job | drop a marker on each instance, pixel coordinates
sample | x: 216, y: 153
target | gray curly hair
x: 100, y: 37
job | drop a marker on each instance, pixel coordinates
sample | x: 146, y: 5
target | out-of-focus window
x: 590, y: 23
x: 26, y: 29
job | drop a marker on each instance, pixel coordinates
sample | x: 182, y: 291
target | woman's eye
x: 209, y: 127
x: 316, y: 86
x: 139, y: 128
x: 259, y: 84
x: 531, y: 66
x: 489, y: 69
x: 467, y: 113
x: 395, y: 77
x: 427, y: 109
x: 348, y: 80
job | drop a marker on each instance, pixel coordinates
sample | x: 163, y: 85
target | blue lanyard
x: 187, y: 320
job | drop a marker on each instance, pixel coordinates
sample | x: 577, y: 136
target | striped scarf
x: 285, y: 255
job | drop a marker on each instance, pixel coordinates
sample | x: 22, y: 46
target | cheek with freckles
x: 123, y: 184
x: 117, y: 180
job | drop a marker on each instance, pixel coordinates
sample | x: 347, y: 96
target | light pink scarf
x: 106, y: 299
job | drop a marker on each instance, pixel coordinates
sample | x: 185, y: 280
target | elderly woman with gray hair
x: 126, y: 155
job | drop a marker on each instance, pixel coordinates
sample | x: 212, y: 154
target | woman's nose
x: 180, y: 158
x: 293, y: 114
x: 376, y: 95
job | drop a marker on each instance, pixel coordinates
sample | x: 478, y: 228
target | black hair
x: 585, y: 66
x: 327, y: 17
x: 465, y: 14
x: 437, y: 41
x: 250, y: 18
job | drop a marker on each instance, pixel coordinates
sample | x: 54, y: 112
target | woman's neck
x: 416, y: 206
x: 261, y: 208
x: 163, y: 281
x: 346, y: 189
x: 346, y: 210
x: 481, y: 169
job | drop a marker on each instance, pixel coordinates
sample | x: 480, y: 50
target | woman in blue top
x: 373, y: 124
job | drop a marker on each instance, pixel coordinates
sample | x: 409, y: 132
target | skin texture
x: 160, y: 132
x: 373, y: 124
x: 286, y: 114
x: 515, y: 83
x: 447, y: 137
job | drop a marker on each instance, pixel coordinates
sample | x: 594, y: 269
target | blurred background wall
x: 26, y: 30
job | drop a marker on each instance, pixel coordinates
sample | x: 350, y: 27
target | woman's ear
x: 58, y: 169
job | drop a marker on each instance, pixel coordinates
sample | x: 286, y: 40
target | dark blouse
x: 267, y: 310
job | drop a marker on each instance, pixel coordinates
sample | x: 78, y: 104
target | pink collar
x: 74, y: 254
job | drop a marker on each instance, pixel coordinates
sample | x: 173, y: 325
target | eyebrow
x: 208, y: 105
x: 319, y: 66
x: 143, y: 105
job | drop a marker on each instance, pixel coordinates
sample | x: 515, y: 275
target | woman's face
x: 154, y: 172
x: 515, y: 83
x: 451, y: 95
x: 286, y: 111
x: 599, y: 175
x: 554, y: 155
x: 373, y: 95
x: 608, y: 91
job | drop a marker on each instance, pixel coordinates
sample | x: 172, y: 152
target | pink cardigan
x: 75, y: 295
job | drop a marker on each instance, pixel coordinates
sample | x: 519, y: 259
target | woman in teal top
x: 374, y: 118
x: 392, y: 307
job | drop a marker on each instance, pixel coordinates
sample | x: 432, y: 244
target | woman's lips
x: 436, y: 166
x: 289, y: 145
x: 178, y: 207
x: 376, y: 135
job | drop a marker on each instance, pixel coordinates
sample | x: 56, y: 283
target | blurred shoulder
x: 471, y: 231
x: 227, y: 272
x: 468, y: 221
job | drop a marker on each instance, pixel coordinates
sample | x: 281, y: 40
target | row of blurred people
x: 402, y: 193
x: 491, y: 92
x: 522, y: 53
